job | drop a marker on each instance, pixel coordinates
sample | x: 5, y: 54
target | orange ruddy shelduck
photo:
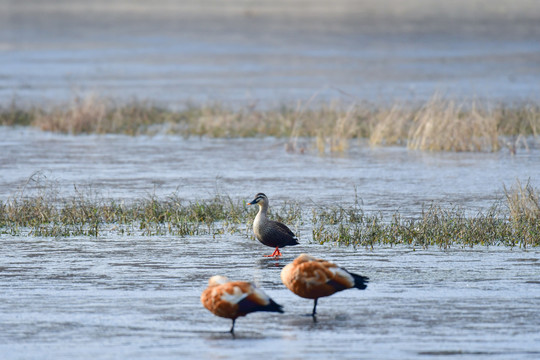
x: 232, y: 299
x: 313, y: 278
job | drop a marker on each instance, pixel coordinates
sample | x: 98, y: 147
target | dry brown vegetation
x: 438, y: 125
x: 446, y: 125
x: 523, y: 201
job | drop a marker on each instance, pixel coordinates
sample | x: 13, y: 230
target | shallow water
x: 138, y: 297
x: 383, y: 179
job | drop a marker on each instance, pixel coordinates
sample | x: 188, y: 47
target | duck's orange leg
x: 276, y: 253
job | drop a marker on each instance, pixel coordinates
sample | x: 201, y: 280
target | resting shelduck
x: 313, y: 278
x: 232, y: 299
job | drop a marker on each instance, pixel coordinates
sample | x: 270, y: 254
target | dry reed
x: 523, y: 201
x: 437, y: 125
x: 446, y: 126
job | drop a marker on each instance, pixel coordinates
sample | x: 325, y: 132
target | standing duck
x: 313, y: 278
x: 270, y: 233
x: 232, y: 299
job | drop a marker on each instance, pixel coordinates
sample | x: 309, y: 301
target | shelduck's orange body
x: 313, y: 278
x: 232, y: 299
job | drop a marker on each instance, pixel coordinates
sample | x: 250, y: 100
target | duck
x: 232, y: 299
x: 313, y: 278
x: 271, y: 233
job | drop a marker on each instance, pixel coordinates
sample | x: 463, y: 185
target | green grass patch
x: 436, y: 227
x: 45, y: 213
x: 514, y: 221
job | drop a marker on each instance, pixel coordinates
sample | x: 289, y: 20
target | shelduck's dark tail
x: 360, y: 282
x: 273, y: 307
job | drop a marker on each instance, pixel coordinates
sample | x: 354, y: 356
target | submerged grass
x: 515, y: 222
x: 150, y: 216
x: 45, y: 213
x: 436, y: 227
x: 438, y: 125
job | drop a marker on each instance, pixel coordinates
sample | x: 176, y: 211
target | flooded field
x: 138, y: 297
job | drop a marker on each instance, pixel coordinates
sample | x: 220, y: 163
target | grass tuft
x: 445, y: 126
x: 437, y: 227
x: 523, y: 202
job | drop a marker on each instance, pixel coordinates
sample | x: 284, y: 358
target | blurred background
x: 269, y: 53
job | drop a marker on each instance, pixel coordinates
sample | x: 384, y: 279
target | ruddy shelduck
x: 313, y: 278
x: 232, y: 299
x: 269, y: 232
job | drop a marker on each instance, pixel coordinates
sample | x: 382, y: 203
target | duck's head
x: 260, y: 199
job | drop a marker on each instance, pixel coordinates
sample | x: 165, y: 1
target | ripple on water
x: 145, y: 302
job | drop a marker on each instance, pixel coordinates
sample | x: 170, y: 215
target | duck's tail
x: 360, y: 282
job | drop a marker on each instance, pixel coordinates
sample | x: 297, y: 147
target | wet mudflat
x: 138, y: 298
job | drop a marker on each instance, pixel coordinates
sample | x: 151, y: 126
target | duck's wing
x: 343, y: 279
x: 258, y: 300
x: 282, y: 231
x: 283, y: 228
x: 247, y: 298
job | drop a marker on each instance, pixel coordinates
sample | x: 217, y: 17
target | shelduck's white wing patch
x: 342, y: 277
x: 261, y: 296
x: 234, y: 298
x: 315, y: 277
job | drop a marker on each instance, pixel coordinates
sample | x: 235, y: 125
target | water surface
x: 381, y: 179
x: 138, y: 297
